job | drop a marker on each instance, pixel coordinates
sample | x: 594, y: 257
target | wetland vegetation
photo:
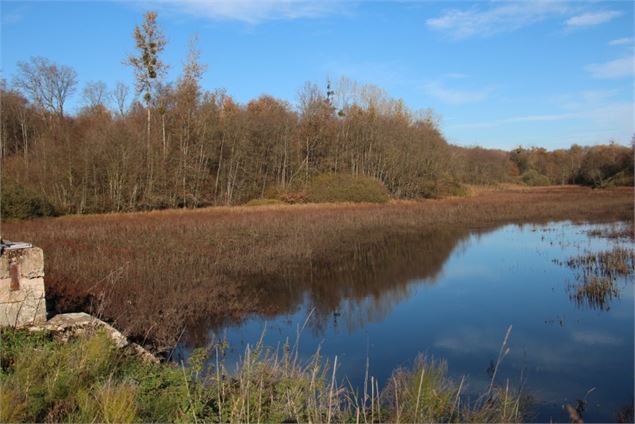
x: 88, y: 380
x: 181, y: 266
x: 598, y: 273
x: 308, y: 262
x: 208, y: 279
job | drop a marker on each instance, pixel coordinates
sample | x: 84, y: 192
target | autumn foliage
x: 183, y: 146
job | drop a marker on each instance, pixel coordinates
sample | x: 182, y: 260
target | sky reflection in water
x: 453, y: 297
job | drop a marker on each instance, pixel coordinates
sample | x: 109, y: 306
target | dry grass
x: 621, y: 231
x: 153, y: 273
x: 598, y: 274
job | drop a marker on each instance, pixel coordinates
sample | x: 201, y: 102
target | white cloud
x: 519, y: 119
x: 595, y: 338
x: 14, y: 16
x: 455, y: 75
x: 592, y: 18
x: 11, y: 18
x: 504, y: 17
x: 618, y: 68
x: 597, y: 115
x: 255, y: 11
x: 455, y: 96
x: 585, y: 99
x: 621, y: 41
x: 539, y: 118
x: 606, y: 114
x: 616, y: 115
x: 384, y: 74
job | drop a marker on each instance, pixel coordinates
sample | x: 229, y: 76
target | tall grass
x: 598, y: 276
x: 622, y: 231
x: 88, y: 380
x: 152, y: 274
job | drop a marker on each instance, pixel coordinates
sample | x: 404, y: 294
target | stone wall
x: 22, y: 299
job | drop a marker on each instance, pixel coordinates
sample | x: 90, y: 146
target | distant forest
x: 173, y: 144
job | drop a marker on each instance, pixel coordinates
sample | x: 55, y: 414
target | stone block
x: 30, y: 262
x: 29, y: 287
x: 22, y: 293
x: 19, y: 314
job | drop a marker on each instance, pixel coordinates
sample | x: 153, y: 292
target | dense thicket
x: 183, y: 146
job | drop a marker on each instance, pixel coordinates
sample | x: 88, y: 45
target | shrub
x: 622, y: 178
x: 20, y: 203
x: 346, y: 188
x: 293, y: 197
x: 451, y: 188
x: 264, y: 202
x: 534, y: 178
x: 292, y: 194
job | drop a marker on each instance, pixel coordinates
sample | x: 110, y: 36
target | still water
x: 452, y: 295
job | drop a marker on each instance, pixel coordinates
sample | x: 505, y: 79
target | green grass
x: 89, y: 380
x: 84, y: 380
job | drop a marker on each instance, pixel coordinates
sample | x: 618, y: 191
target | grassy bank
x: 89, y: 380
x: 151, y: 274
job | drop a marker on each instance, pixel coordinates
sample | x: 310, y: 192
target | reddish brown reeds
x: 152, y: 273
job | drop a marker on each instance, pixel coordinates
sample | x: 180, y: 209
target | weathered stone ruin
x: 22, y: 301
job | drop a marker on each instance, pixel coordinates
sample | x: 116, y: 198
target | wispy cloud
x: 592, y: 19
x: 385, y: 74
x: 618, y: 68
x: 446, y: 94
x: 14, y: 16
x: 595, y: 338
x: 455, y: 75
x: 503, y: 17
x: 519, y: 119
x: 609, y: 110
x: 599, y: 115
x: 621, y: 41
x: 256, y: 11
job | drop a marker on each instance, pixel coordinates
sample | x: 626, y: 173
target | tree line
x: 175, y: 144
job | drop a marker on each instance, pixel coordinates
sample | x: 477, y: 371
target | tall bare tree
x: 95, y: 94
x: 47, y: 84
x: 120, y: 94
x: 148, y: 67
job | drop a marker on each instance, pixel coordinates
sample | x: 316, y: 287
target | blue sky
x: 497, y: 73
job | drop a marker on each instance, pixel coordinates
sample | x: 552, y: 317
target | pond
x: 453, y: 295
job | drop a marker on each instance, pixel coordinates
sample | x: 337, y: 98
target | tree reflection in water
x: 358, y: 282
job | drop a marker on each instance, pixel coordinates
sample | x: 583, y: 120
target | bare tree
x: 120, y: 94
x: 147, y: 66
x: 47, y: 84
x: 148, y: 69
x: 95, y: 94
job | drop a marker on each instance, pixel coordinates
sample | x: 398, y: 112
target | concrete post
x: 22, y: 300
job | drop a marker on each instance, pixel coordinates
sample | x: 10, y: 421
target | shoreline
x: 173, y: 266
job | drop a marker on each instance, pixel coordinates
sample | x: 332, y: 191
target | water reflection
x: 360, y: 283
x: 451, y: 294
